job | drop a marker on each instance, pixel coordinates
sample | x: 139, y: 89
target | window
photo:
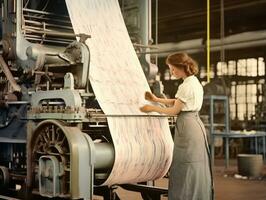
x: 246, y: 77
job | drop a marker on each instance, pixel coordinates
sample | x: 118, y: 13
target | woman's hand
x: 146, y: 108
x: 150, y: 97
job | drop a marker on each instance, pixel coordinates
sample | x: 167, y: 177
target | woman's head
x: 181, y: 65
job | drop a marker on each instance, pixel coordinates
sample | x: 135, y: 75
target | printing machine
x: 45, y: 90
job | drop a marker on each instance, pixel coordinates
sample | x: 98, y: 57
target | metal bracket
x: 83, y: 37
x: 49, y: 171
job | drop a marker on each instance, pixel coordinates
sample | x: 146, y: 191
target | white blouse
x: 190, y: 92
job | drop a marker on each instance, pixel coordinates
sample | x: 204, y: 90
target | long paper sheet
x: 143, y: 145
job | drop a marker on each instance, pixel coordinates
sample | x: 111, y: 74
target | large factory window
x: 247, y: 92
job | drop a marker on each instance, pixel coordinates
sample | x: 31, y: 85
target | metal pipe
x: 156, y: 22
x: 208, y: 42
x: 47, y: 24
x: 56, y: 75
x: 48, y: 28
x: 50, y: 53
x: 145, y: 25
x: 47, y: 19
x: 36, y: 50
x: 53, y: 40
x: 48, y: 41
x: 44, y: 13
x: 222, y: 53
x: 42, y: 31
x: 21, y: 42
x: 144, y: 46
x: 104, y: 155
x: 52, y: 33
x: 237, y: 41
x: 9, y: 75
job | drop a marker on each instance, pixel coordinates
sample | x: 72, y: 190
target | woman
x: 190, y: 173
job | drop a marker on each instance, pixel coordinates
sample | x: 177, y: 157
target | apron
x: 190, y: 173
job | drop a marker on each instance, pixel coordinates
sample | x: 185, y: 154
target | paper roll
x: 143, y: 145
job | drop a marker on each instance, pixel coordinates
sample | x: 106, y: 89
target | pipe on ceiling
x: 237, y: 41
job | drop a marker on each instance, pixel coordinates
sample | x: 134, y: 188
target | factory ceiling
x: 183, y: 20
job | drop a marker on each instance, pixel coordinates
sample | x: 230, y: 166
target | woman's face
x: 176, y: 72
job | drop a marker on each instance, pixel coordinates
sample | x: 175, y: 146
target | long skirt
x: 190, y: 173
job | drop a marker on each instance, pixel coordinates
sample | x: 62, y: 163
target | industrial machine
x: 54, y: 137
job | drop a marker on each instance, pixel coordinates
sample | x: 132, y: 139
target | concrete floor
x: 226, y: 186
x: 229, y: 188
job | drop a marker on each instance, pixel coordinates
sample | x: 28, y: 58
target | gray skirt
x: 190, y: 173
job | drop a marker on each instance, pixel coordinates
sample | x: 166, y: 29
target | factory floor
x: 227, y: 187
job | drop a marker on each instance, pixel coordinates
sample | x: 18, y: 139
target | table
x: 235, y: 135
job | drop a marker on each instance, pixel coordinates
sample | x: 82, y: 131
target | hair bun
x: 184, y: 61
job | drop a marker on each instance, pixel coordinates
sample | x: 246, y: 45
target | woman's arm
x: 169, y: 102
x: 151, y: 97
x: 175, y: 109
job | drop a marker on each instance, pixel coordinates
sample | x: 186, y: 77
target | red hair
x: 183, y: 61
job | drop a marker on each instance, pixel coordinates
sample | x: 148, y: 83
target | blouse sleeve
x: 184, y: 93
